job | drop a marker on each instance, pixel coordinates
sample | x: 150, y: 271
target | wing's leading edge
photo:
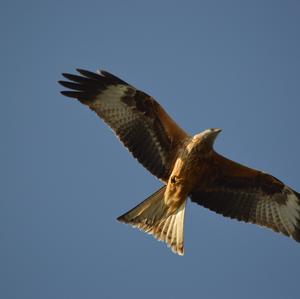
x: 138, y: 120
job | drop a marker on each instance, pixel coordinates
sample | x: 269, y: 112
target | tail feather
x: 170, y: 230
x: 153, y: 216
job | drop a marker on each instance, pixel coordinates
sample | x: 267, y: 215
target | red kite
x: 187, y: 165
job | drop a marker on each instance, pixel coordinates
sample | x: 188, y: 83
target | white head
x: 207, y: 137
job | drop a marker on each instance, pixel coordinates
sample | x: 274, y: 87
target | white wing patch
x: 123, y: 118
x: 290, y: 212
x: 283, y: 217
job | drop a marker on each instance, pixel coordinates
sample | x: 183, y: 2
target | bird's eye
x: 173, y: 179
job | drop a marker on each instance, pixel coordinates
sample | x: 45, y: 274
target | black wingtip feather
x: 75, y: 78
x: 72, y: 85
x: 89, y: 74
x: 112, y: 77
x: 88, y: 85
x: 71, y: 94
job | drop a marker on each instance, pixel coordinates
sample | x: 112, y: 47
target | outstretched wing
x: 138, y: 120
x: 252, y: 196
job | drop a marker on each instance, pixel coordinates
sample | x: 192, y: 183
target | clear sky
x: 65, y: 177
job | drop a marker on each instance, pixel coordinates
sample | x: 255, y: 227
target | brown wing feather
x: 137, y: 119
x: 249, y: 195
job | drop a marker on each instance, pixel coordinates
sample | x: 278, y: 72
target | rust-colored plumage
x: 187, y: 166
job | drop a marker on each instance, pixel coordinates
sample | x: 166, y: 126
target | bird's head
x: 207, y: 138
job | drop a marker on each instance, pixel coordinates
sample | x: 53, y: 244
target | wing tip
x: 121, y: 219
x: 89, y: 74
x: 63, y: 83
x: 71, y: 94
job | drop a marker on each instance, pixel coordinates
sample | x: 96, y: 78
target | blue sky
x: 65, y: 177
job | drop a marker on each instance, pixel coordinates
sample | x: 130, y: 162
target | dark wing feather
x: 252, y: 196
x: 137, y: 119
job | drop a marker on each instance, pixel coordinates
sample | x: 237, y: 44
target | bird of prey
x: 187, y: 166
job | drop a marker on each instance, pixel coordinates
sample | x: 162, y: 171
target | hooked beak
x: 216, y: 130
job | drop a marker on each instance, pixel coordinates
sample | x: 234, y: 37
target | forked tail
x: 153, y: 216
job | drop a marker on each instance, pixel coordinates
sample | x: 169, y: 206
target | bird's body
x: 187, y: 166
x: 190, y: 167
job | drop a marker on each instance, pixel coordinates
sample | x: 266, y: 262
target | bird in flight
x: 187, y: 166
